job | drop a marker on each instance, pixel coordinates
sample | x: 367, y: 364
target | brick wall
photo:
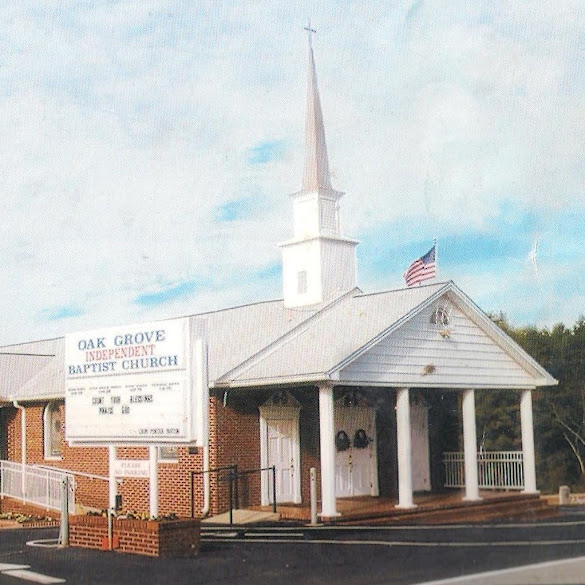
x: 155, y: 539
x: 89, y: 491
x: 309, y: 432
x: 17, y: 507
x: 174, y: 478
x: 234, y: 440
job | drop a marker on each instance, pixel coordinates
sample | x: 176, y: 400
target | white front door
x: 280, y: 442
x: 356, y: 467
x: 419, y: 429
x: 280, y: 446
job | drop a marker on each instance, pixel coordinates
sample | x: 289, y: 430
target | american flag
x: 422, y: 269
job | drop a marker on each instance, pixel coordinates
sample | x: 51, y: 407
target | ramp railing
x: 497, y: 470
x: 40, y: 486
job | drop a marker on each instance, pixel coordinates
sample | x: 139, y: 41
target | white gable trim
x: 539, y: 375
x: 334, y: 372
x: 501, y: 338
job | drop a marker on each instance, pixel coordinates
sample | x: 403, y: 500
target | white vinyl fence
x: 496, y: 470
x: 35, y: 485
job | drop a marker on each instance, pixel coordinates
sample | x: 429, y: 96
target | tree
x: 559, y: 412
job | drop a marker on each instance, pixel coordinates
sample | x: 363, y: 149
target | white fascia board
x: 334, y: 372
x: 340, y: 239
x: 431, y: 386
x: 274, y: 381
x: 31, y: 399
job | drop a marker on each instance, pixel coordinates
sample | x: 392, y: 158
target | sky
x: 148, y: 149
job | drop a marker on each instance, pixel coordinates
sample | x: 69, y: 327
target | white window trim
x: 47, y: 433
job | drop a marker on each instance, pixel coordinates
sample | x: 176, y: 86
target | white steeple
x: 319, y: 262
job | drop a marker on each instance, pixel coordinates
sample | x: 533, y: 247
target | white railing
x: 39, y: 486
x: 496, y: 470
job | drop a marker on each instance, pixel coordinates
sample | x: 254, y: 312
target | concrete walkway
x: 561, y: 572
x: 243, y: 517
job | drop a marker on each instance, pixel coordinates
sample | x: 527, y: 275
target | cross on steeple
x: 310, y: 32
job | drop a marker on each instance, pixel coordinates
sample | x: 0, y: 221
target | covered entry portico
x: 409, y: 458
x: 430, y: 338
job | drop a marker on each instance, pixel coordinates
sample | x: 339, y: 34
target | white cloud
x: 127, y: 124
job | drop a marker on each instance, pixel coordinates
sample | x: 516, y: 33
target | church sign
x: 130, y: 384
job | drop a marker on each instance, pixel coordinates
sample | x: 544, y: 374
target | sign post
x: 153, y: 456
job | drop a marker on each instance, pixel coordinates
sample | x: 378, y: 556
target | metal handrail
x: 234, y: 476
x: 203, y: 472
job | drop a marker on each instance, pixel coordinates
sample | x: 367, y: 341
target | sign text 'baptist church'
x: 130, y: 384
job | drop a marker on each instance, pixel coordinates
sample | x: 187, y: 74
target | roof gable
x: 468, y: 351
x: 314, y: 348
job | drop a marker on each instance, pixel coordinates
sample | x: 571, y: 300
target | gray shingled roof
x: 21, y: 363
x: 327, y: 338
x: 262, y: 343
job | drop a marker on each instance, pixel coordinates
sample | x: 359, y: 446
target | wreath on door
x: 342, y: 442
x: 360, y: 439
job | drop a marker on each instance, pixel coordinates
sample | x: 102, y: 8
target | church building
x: 374, y: 390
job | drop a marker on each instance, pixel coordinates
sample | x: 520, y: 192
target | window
x: 168, y: 453
x: 302, y: 282
x: 440, y: 316
x: 328, y: 215
x: 52, y: 431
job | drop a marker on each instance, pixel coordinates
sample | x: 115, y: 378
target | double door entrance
x: 356, y: 464
x: 356, y: 461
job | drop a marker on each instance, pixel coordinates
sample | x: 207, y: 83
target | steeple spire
x: 316, y: 161
x: 319, y: 263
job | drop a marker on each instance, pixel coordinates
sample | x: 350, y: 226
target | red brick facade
x: 179, y: 491
x: 234, y: 439
x: 155, y: 539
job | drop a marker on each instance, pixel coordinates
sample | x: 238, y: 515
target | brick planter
x: 168, y: 538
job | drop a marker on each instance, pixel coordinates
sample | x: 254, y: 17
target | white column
x: 153, y: 487
x: 470, y: 446
x: 403, y: 437
x: 528, y: 442
x: 113, y: 488
x: 327, y: 446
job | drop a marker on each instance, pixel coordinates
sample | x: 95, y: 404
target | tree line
x: 558, y: 411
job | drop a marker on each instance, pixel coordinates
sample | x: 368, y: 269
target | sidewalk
x: 561, y: 572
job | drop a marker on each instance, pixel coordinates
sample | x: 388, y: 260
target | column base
x: 471, y: 499
x: 405, y: 506
x: 531, y: 492
x: 326, y: 517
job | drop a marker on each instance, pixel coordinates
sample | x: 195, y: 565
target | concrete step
x: 527, y: 507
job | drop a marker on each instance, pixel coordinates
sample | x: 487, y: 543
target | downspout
x: 206, y: 480
x: 204, y: 372
x: 22, y: 445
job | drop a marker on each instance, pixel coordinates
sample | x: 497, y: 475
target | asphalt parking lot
x: 290, y: 555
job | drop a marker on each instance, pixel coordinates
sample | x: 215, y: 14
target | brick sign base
x: 170, y: 538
